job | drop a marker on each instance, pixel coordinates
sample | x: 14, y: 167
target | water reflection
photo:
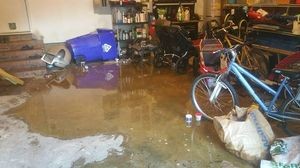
x: 146, y: 105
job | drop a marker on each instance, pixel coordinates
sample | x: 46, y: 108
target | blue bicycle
x: 214, y: 95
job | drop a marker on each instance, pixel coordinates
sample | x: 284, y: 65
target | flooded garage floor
x: 113, y: 115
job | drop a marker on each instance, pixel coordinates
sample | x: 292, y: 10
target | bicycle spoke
x: 202, y: 89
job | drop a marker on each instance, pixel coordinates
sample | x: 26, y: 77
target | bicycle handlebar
x: 230, y: 51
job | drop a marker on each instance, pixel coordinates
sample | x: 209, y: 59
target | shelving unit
x: 279, y: 40
x: 130, y: 22
x: 171, y: 10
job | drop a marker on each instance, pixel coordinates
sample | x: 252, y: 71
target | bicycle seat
x: 293, y: 74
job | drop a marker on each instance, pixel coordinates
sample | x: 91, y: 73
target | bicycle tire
x: 263, y: 66
x: 203, y: 86
x: 243, y: 29
x: 181, y: 65
x: 254, y: 60
x: 292, y: 127
x: 158, y: 58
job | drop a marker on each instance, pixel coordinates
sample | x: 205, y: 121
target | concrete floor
x: 114, y: 115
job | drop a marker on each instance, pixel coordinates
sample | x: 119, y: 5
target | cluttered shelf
x: 119, y: 4
x: 173, y: 3
x: 136, y: 23
x: 268, y: 40
x: 274, y: 26
x: 264, y: 5
x: 131, y: 40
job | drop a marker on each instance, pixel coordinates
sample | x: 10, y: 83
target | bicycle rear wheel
x: 254, y: 60
x: 202, y: 88
x: 291, y: 108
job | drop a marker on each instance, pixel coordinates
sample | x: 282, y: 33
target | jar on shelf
x: 187, y: 14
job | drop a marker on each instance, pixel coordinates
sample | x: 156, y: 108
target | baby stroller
x: 175, y: 48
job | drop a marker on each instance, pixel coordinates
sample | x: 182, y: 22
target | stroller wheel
x: 196, y: 66
x: 181, y: 65
x: 158, y: 58
x: 134, y: 55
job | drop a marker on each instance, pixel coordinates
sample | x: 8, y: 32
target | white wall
x: 199, y: 9
x: 13, y: 11
x: 60, y: 20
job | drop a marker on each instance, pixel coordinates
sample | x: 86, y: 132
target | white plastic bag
x: 249, y: 139
x: 286, y: 150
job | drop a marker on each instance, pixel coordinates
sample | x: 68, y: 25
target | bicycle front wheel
x: 291, y: 108
x: 202, y: 88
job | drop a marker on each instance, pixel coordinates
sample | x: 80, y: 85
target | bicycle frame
x: 242, y: 74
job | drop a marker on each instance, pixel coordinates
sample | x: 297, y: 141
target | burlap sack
x: 248, y: 139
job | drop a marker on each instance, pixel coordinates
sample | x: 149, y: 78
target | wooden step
x: 6, y: 38
x: 22, y: 65
x: 22, y: 45
x: 21, y: 55
x: 38, y: 72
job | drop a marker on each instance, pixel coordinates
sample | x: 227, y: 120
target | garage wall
x: 199, y: 9
x: 13, y: 12
x: 59, y: 20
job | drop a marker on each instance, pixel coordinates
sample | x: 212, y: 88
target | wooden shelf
x: 135, y: 4
x: 131, y: 40
x: 173, y: 4
x: 273, y: 50
x: 136, y: 23
x: 280, y: 32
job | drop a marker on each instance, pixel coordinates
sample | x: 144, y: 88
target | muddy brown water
x: 145, y: 104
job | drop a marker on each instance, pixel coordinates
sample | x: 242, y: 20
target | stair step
x: 38, y: 72
x: 6, y: 38
x: 21, y: 45
x: 22, y: 65
x: 21, y: 55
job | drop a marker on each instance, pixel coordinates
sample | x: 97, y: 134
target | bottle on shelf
x: 179, y: 13
x: 118, y: 16
x: 186, y: 14
x: 144, y: 33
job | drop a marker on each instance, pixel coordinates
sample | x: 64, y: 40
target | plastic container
x: 188, y: 118
x: 198, y: 116
x: 95, y: 46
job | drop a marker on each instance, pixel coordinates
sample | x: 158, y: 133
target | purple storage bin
x: 96, y: 46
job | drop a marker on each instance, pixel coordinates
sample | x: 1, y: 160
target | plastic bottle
x: 179, y: 13
x: 187, y: 14
x: 121, y: 35
x: 119, y: 16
